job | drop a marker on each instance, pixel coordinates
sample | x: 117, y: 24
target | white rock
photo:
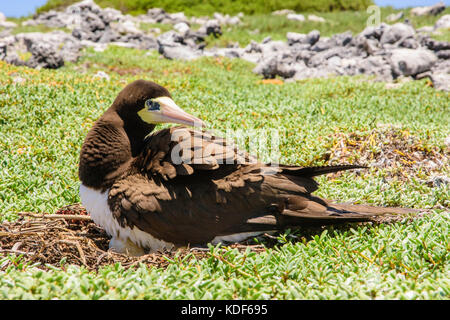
x: 233, y: 21
x: 8, y: 24
x: 441, y: 81
x: 102, y: 75
x: 29, y: 22
x: 283, y: 12
x: 426, y: 29
x: 443, y: 22
x: 295, y: 17
x: 397, y: 32
x: 431, y: 10
x: 181, y: 27
x: 315, y: 18
x: 395, y: 16
x: 125, y: 27
x: 408, y: 62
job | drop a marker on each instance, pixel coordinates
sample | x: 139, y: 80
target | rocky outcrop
x: 385, y: 52
x: 45, y: 50
x: 443, y: 22
x: 430, y: 10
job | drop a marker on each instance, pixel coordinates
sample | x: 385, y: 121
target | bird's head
x: 148, y: 102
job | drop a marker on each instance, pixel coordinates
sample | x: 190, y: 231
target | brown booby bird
x: 181, y: 186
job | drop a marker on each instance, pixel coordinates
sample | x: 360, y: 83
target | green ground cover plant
x: 45, y: 115
x: 208, y: 7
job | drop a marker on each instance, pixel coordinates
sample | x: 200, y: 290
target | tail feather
x: 297, y: 207
x: 334, y: 214
x: 316, y: 171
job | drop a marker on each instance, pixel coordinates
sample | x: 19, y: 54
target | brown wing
x: 180, y: 151
x: 189, y: 187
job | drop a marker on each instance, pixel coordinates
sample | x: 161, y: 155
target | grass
x: 336, y: 22
x: 401, y: 261
x: 208, y: 7
x: 259, y: 26
x: 45, y: 115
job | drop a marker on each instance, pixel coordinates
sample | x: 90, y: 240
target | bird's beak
x: 169, y: 113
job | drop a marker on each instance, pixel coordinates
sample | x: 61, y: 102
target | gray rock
x: 295, y: 17
x: 6, y: 24
x: 179, y: 52
x: 44, y: 55
x: 443, y: 54
x: 278, y: 65
x: 443, y: 22
x: 3, y: 50
x: 430, y: 10
x: 157, y: 14
x: 181, y: 27
x: 226, y: 52
x: 125, y: 27
x: 169, y: 38
x: 409, y: 62
x: 342, y: 39
x: 266, y: 40
x: 253, y: 46
x: 374, y: 32
x: 410, y: 43
x: 315, y: 18
x: 377, y: 66
x: 397, y: 32
x: 425, y: 29
x: 310, y: 38
x: 109, y: 15
x: 435, y: 45
x: 370, y: 46
x: 322, y: 45
x: 108, y: 36
x: 178, y: 17
x: 140, y: 41
x: 226, y: 19
x: 211, y: 27
x: 64, y: 44
x: 283, y: 12
x: 313, y: 37
x: 321, y: 58
x: 395, y: 16
x: 293, y: 37
x: 441, y: 81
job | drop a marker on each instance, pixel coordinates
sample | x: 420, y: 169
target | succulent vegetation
x: 44, y: 116
x: 400, y: 127
x: 196, y: 7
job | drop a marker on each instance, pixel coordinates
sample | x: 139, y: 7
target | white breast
x: 96, y: 203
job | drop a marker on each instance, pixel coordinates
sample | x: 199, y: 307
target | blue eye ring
x: 152, y: 105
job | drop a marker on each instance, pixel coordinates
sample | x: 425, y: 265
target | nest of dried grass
x: 70, y: 236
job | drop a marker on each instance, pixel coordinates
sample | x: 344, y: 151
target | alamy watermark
x: 227, y: 147
x: 375, y: 16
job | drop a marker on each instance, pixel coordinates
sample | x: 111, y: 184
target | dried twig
x: 56, y: 216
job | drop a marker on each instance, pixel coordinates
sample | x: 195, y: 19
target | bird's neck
x: 108, y: 151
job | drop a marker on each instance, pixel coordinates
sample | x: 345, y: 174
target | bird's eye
x: 152, y: 105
